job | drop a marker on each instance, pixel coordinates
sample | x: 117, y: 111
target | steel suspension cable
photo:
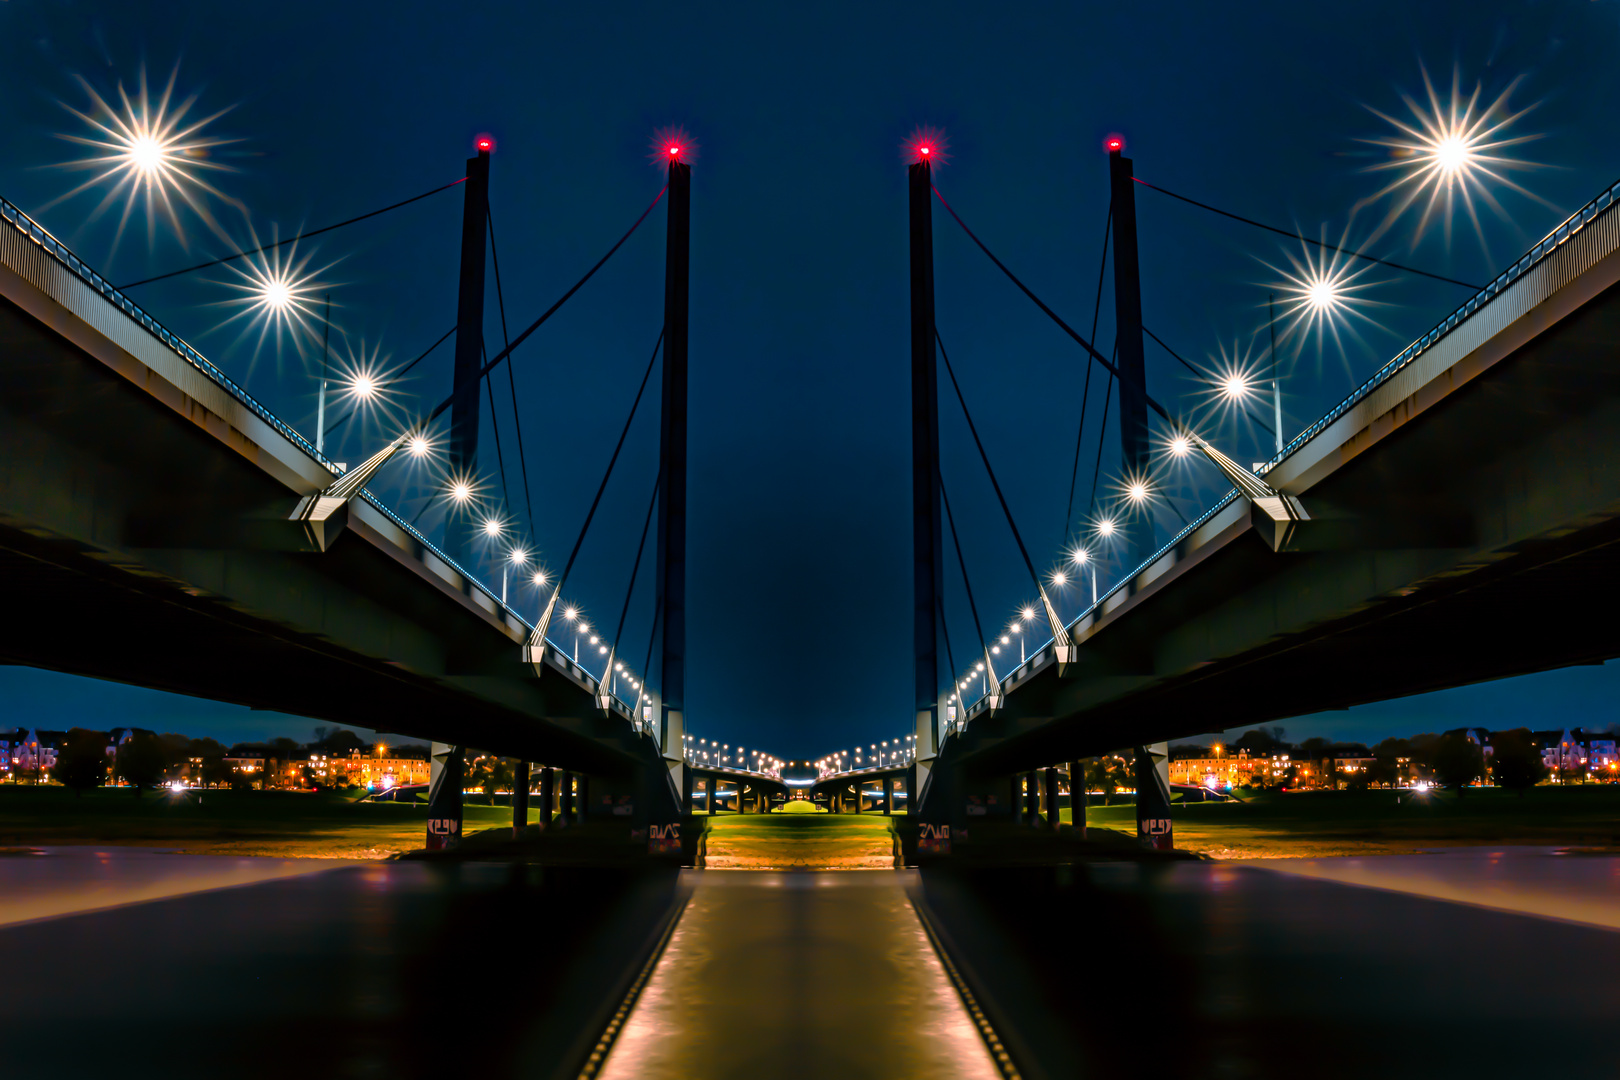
x: 511, y: 379
x: 635, y: 567
x: 984, y: 457
x: 1085, y: 395
x: 1102, y: 437
x: 291, y: 240
x: 1202, y: 375
x: 345, y: 418
x: 1025, y: 289
x: 552, y: 310
x: 606, y: 476
x: 495, y: 424
x: 956, y: 541
x: 944, y: 629
x: 1305, y: 239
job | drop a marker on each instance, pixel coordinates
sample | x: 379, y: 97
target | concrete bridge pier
x: 565, y: 798
x: 520, y: 799
x: 1153, y: 823
x: 582, y: 797
x: 1077, y: 797
x: 1032, y: 799
x: 888, y: 796
x: 548, y: 796
x: 444, y: 797
x: 1052, y: 815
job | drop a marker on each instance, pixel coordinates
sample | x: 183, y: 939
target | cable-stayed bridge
x: 1450, y: 521
x: 1453, y: 520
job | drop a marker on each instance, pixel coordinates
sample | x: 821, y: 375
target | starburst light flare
x: 278, y: 292
x: 1450, y: 153
x: 154, y: 153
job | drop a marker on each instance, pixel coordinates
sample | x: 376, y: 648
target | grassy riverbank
x: 278, y: 823
x: 784, y: 841
x: 1312, y: 824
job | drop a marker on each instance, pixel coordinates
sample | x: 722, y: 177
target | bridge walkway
x: 794, y: 974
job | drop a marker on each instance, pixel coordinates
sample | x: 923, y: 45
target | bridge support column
x: 565, y: 798
x: 1153, y: 824
x: 1077, y: 797
x: 1052, y: 815
x: 1015, y: 798
x: 671, y: 550
x: 928, y: 574
x: 1032, y: 799
x: 860, y: 808
x: 582, y: 798
x: 888, y: 796
x: 444, y: 797
x: 469, y: 354
x: 1133, y: 422
x: 520, y: 800
x: 548, y: 796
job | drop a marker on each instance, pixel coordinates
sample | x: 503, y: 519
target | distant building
x: 387, y: 767
x: 35, y: 753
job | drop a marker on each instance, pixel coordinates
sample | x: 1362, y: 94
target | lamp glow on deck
x: 492, y: 527
x: 1448, y: 155
x: 518, y: 556
x: 1180, y: 446
x: 1028, y: 614
x: 461, y: 491
x: 1059, y: 578
x: 539, y: 577
x: 1079, y: 556
x: 1106, y: 527
x: 418, y: 446
x: 153, y: 151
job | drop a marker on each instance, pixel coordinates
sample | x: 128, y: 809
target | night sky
x: 799, y: 585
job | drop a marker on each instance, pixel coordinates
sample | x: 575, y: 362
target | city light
x: 1079, y: 556
x: 418, y: 445
x: 1106, y: 527
x: 492, y: 527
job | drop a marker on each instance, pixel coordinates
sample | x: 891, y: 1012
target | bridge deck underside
x: 144, y: 539
x: 1472, y: 532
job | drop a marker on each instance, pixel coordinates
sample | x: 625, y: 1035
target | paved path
x: 799, y: 974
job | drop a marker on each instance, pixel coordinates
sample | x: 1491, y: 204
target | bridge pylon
x: 463, y: 449
x: 1136, y: 457
x: 671, y: 554
x: 928, y: 580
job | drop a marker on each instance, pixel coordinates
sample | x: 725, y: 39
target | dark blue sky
x: 799, y: 576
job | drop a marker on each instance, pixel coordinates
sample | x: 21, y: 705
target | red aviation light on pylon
x: 1114, y: 144
x: 485, y: 143
x: 926, y: 145
x: 671, y: 146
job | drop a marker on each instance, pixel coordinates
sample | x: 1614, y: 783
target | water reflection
x: 1199, y: 968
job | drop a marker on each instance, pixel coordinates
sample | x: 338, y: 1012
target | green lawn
x: 280, y: 823
x: 799, y: 840
x: 1308, y: 824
